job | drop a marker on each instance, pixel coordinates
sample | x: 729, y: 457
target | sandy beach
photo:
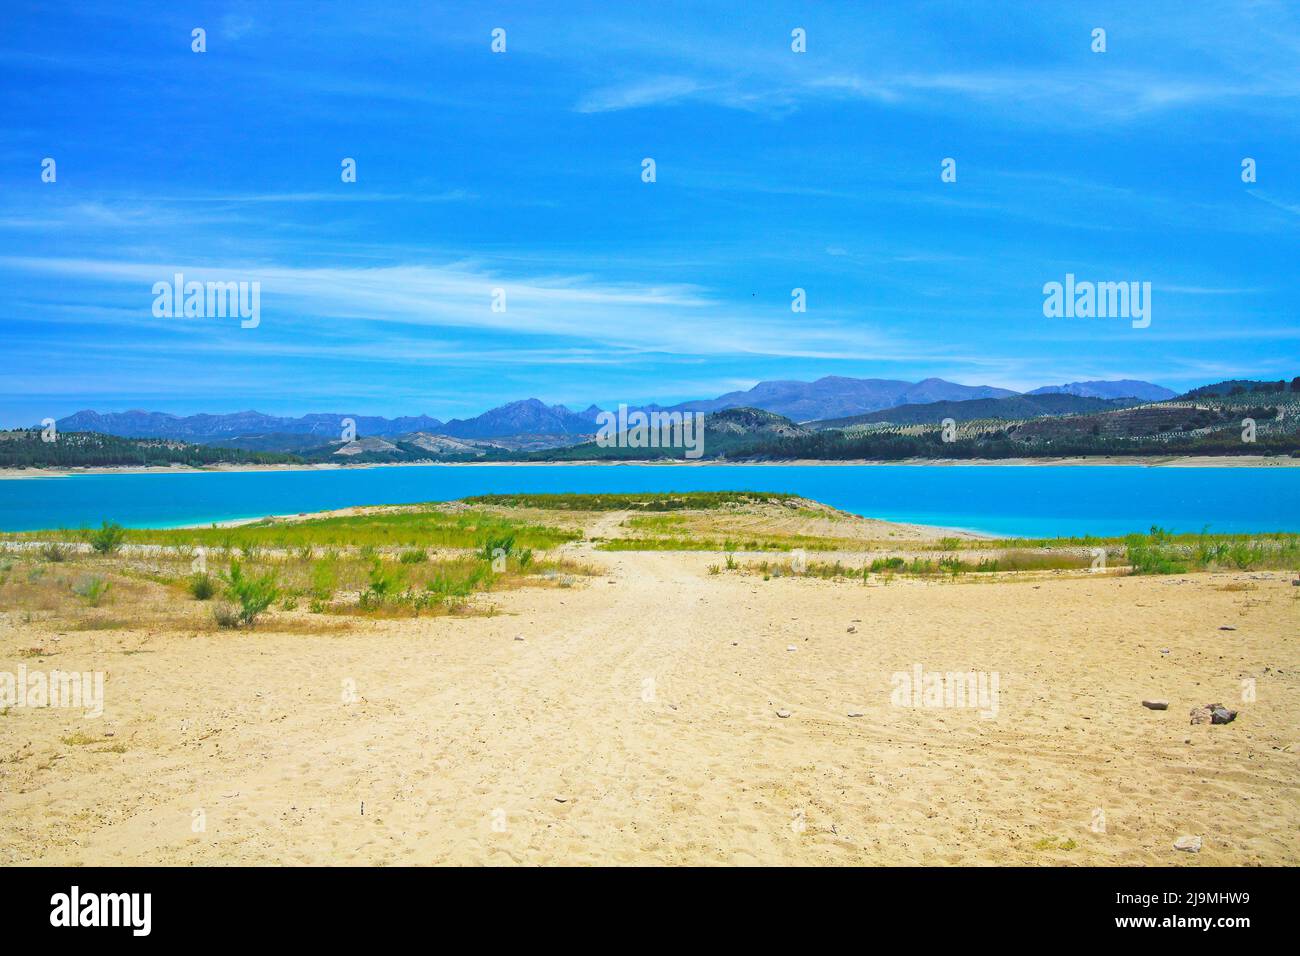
x: 660, y: 712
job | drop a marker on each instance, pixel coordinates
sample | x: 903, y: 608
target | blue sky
x: 522, y: 171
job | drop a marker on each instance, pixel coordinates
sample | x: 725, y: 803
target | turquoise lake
x: 1033, y: 501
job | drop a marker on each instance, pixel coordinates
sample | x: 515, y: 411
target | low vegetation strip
x: 671, y: 501
x: 1156, y: 552
x: 420, y: 527
x: 179, y: 586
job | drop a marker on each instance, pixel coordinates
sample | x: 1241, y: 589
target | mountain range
x: 831, y: 397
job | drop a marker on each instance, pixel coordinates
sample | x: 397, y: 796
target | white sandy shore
x: 1173, y: 461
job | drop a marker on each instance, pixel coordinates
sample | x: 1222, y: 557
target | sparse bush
x: 54, y: 552
x: 226, y: 615
x: 1154, y: 553
x: 91, y: 588
x: 108, y: 539
x: 491, y: 546
x: 384, y: 584
x: 202, y: 587
x: 324, y: 578
x: 254, y: 595
x: 413, y: 556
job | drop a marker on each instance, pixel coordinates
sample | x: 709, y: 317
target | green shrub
x: 108, y: 539
x: 254, y: 595
x: 413, y: 556
x: 505, y: 544
x: 202, y: 587
x: 887, y: 564
x: 324, y: 578
x: 92, y: 588
x: 54, y: 552
x: 1154, y: 553
x: 384, y: 584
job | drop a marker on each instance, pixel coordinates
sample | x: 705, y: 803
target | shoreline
x: 1173, y: 461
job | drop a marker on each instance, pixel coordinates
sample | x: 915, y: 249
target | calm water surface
x: 1030, y: 501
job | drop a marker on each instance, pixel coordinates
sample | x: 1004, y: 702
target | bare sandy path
x: 637, y: 722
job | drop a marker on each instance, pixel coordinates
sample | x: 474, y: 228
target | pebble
x: 855, y: 713
x: 791, y: 647
x: 853, y: 629
x: 783, y: 713
x: 518, y: 638
x: 1156, y: 704
x: 1189, y: 844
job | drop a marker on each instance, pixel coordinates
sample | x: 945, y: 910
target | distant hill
x: 1123, y: 388
x: 209, y: 429
x: 24, y: 448
x: 835, y: 396
x: 1014, y: 407
x: 1241, y: 386
x: 724, y: 431
x: 527, y: 417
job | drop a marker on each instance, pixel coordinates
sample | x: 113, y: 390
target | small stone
x: 791, y: 647
x: 518, y: 638
x: 855, y: 713
x: 853, y: 629
x: 1188, y: 844
x: 1156, y: 704
x: 1213, y: 714
x: 1222, y: 715
x: 783, y: 713
x: 1225, y: 627
x: 561, y: 799
x: 1164, y: 650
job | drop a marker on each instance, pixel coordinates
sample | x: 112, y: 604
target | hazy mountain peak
x: 1120, y: 388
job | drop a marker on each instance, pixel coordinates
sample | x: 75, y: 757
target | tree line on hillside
x: 25, y: 448
x: 836, y: 446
